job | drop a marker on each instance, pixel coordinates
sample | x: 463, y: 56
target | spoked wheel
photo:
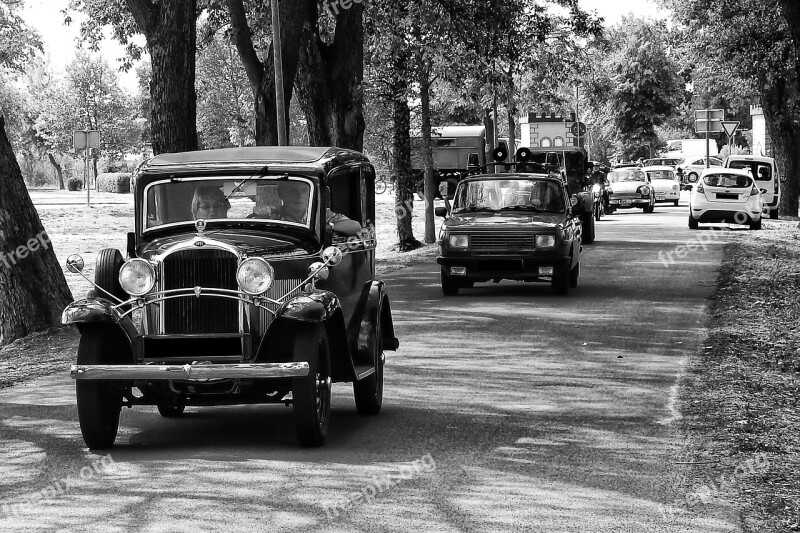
x: 369, y: 391
x: 99, y: 402
x: 380, y: 187
x: 311, y: 395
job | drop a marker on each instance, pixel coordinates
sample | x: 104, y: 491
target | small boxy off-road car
x: 236, y: 290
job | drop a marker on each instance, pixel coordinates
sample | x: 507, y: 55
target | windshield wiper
x: 473, y: 208
x: 263, y: 170
x: 525, y: 208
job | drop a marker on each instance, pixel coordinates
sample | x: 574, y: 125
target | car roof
x: 658, y: 167
x: 757, y: 158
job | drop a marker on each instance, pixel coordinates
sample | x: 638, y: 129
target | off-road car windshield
x: 509, y: 195
x: 181, y: 200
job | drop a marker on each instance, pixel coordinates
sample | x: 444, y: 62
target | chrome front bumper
x: 189, y: 372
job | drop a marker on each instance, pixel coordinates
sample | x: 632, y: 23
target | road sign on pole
x: 83, y: 140
x: 708, y: 120
x: 730, y: 127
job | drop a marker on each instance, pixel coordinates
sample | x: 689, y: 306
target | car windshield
x: 181, y: 200
x: 509, y: 195
x: 616, y: 176
x: 661, y: 174
x: 761, y: 171
x: 727, y: 180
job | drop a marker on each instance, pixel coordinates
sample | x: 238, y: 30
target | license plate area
x: 500, y: 265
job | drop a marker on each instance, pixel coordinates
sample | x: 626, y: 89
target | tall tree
x: 169, y: 28
x: 732, y: 50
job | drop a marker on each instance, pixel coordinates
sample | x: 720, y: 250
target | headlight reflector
x: 137, y: 277
x: 319, y: 271
x: 645, y: 190
x: 458, y: 241
x: 545, y: 241
x: 255, y: 276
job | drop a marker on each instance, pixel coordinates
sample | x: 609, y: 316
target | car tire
x: 692, y: 177
x: 597, y: 212
x: 675, y: 203
x: 609, y: 211
x: 311, y: 395
x: 171, y: 410
x: 450, y: 286
x: 574, y: 274
x: 755, y: 224
x: 560, y: 283
x: 693, y: 224
x: 649, y: 208
x: 588, y: 229
x: 99, y: 402
x: 368, y: 392
x: 773, y: 214
x: 106, y: 274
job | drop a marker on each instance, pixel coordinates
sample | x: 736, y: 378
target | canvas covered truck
x: 457, y: 150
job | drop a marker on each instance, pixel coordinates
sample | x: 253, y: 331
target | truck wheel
x: 99, y: 402
x: 311, y: 395
x: 369, y: 391
x: 450, y: 286
x: 106, y: 274
x: 588, y: 228
x: 755, y: 224
x: 693, y: 222
x: 773, y: 214
x: 574, y: 274
x: 560, y: 282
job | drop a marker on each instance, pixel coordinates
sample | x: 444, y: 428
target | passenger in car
x: 294, y: 199
x: 209, y: 202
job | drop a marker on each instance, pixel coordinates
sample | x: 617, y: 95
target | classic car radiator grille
x: 502, y: 243
x: 204, y: 268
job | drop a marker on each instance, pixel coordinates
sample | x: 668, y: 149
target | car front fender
x: 318, y: 306
x: 94, y: 310
x: 376, y: 310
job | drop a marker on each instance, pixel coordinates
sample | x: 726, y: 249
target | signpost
x: 708, y: 121
x: 83, y: 140
x: 730, y: 128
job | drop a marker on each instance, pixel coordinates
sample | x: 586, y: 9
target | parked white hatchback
x: 666, y: 184
x: 725, y: 195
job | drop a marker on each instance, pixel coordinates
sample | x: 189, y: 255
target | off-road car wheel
x: 587, y: 237
x: 560, y: 282
x: 311, y: 395
x: 574, y: 274
x: 369, y: 391
x: 450, y: 286
x: 99, y: 402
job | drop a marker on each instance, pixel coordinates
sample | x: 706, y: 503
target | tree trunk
x: 427, y: 154
x: 262, y: 74
x: 401, y: 155
x: 785, y: 136
x: 31, y: 281
x: 330, y: 81
x: 171, y: 32
x: 57, y: 167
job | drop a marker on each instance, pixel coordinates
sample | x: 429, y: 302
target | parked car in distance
x: 516, y: 226
x: 629, y: 187
x: 691, y: 167
x: 665, y: 183
x: 238, y: 288
x: 662, y: 161
x: 765, y: 172
x: 726, y: 195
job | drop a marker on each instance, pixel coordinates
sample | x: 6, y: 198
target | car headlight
x: 675, y: 187
x: 596, y: 188
x: 645, y: 190
x: 255, y: 276
x: 137, y: 277
x: 545, y: 241
x: 458, y: 241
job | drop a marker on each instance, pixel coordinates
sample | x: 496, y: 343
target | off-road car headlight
x: 137, y: 277
x: 255, y: 276
x: 458, y: 241
x: 545, y: 241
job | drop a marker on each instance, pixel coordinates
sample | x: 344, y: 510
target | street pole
x: 86, y: 172
x: 278, y: 59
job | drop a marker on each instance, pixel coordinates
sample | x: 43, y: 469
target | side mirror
x: 440, y: 211
x: 75, y: 263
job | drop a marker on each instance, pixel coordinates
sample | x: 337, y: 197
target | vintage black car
x: 237, y: 289
x: 517, y: 226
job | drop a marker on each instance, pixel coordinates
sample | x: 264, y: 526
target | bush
x: 74, y: 184
x: 119, y: 182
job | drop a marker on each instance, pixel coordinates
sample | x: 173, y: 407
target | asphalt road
x: 524, y: 411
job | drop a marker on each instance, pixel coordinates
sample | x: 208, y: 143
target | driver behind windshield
x: 209, y: 202
x: 294, y: 199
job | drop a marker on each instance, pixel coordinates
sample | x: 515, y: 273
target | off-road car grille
x: 204, y: 268
x: 507, y: 243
